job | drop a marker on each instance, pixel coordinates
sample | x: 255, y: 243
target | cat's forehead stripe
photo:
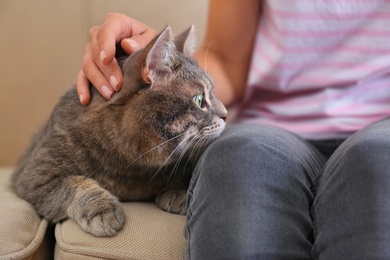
x: 210, y: 83
x: 207, y: 86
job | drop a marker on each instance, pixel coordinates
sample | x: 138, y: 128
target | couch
x: 149, y: 233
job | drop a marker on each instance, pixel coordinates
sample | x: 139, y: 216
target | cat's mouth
x: 202, y: 137
x: 214, y: 130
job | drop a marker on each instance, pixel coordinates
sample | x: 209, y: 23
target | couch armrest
x: 21, y: 230
x: 149, y: 233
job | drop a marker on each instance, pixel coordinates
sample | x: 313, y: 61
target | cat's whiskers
x: 201, y: 143
x: 205, y: 54
x: 156, y: 147
x: 176, y: 166
x: 196, y: 146
x: 170, y: 155
x: 205, y: 136
x: 199, y: 139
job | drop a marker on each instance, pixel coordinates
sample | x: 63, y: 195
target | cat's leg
x: 174, y: 197
x: 173, y: 201
x: 95, y: 209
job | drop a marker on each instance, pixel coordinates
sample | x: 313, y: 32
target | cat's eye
x: 199, y: 100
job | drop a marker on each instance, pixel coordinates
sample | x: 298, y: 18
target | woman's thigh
x: 250, y: 196
x: 352, y: 205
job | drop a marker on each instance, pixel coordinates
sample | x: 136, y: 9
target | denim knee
x: 368, y: 148
x: 351, y: 208
x: 251, y: 148
x: 252, y: 185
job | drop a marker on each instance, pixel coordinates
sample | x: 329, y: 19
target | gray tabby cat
x: 140, y: 145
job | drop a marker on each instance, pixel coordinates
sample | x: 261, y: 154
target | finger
x: 82, y: 85
x: 97, y: 78
x: 114, y: 28
x: 117, y: 27
x: 136, y: 42
x: 111, y: 72
x: 97, y: 53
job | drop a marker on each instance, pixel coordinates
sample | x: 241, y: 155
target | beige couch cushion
x: 21, y: 229
x: 149, y: 233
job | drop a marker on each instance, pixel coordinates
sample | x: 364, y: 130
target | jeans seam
x: 315, y: 233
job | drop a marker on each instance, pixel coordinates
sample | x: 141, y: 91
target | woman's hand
x: 99, y: 64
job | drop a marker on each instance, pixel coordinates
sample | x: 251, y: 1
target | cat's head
x: 169, y: 99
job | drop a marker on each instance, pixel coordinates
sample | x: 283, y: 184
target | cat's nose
x: 223, y: 114
x: 222, y: 111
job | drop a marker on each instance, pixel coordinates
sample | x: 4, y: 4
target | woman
x: 302, y: 171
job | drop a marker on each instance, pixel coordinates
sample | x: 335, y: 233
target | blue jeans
x: 263, y: 193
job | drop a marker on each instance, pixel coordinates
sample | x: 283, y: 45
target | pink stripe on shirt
x: 321, y: 74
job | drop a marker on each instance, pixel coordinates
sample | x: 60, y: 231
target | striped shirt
x: 320, y: 68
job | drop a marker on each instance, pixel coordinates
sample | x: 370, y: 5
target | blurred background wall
x: 41, y: 48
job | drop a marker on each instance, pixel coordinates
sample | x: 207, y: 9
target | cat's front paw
x: 102, y: 216
x: 173, y: 201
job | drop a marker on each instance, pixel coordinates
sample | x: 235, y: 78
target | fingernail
x: 114, y: 82
x: 134, y: 45
x: 81, y: 97
x: 107, y: 92
x: 102, y: 55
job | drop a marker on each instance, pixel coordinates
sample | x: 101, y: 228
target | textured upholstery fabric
x: 21, y: 230
x: 149, y: 233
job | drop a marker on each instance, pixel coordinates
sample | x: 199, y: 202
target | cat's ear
x: 161, y: 55
x: 186, y: 41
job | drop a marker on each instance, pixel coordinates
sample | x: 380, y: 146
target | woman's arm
x: 227, y: 49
